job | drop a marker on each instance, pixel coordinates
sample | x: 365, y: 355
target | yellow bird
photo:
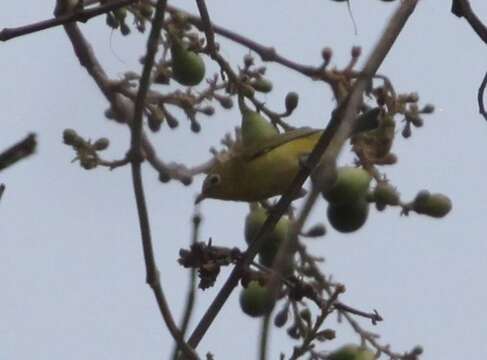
x: 259, y: 172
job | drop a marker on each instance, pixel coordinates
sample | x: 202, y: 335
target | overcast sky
x: 71, y: 264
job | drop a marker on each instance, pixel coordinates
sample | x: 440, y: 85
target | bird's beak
x: 199, y: 198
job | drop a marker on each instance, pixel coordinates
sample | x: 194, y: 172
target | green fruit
x: 351, y: 184
x: 256, y: 130
x: 101, y: 144
x: 262, y: 85
x: 256, y: 300
x: 434, y: 205
x: 71, y: 137
x: 386, y: 194
x: 253, y: 222
x: 352, y: 352
x: 348, y: 217
x: 188, y: 67
x: 291, y: 101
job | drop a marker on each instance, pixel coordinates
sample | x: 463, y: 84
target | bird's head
x: 212, y: 187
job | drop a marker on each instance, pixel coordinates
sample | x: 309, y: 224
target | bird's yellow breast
x: 265, y: 175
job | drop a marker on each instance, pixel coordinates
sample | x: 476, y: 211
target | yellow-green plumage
x: 259, y: 172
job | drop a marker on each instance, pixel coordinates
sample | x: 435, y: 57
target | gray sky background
x: 71, y: 264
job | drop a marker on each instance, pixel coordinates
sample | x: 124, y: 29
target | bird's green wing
x: 252, y: 152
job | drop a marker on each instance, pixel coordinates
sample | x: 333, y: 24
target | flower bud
x: 434, y: 205
x: 385, y: 193
x: 101, y: 144
x: 292, y: 100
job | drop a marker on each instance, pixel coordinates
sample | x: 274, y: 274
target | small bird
x: 266, y: 162
x: 259, y: 172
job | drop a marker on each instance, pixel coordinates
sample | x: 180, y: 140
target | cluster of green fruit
x: 349, y: 198
x: 256, y: 299
x: 348, y: 207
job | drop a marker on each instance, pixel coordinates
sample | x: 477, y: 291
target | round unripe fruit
x: 351, y: 184
x: 270, y: 246
x: 262, y: 85
x: 256, y: 130
x: 101, y: 144
x: 256, y: 300
x: 352, y: 352
x: 188, y: 67
x: 386, y: 194
x: 291, y: 101
x: 70, y: 137
x: 348, y: 217
x: 434, y: 205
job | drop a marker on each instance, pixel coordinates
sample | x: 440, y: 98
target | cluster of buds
x: 208, y: 260
x: 86, y: 150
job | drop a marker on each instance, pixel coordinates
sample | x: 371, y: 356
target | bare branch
x: 18, y: 151
x: 480, y: 97
x: 190, y: 298
x: 462, y: 8
x: 136, y: 158
x: 82, y: 16
x: 123, y: 108
x: 266, y: 53
x: 264, y: 336
x: 337, y: 131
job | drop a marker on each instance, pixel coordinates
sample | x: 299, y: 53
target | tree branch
x: 338, y: 130
x: 266, y: 53
x: 82, y: 16
x: 264, y: 336
x: 124, y: 109
x: 152, y: 273
x: 462, y: 8
x: 190, y: 298
x: 480, y: 97
x: 18, y: 151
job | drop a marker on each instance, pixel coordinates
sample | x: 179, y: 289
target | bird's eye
x: 214, y: 179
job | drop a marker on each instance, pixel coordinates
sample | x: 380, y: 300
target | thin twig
x: 348, y: 123
x: 152, y: 272
x: 325, y: 311
x: 82, y: 16
x: 266, y: 53
x: 480, y: 97
x: 264, y: 336
x: 462, y: 8
x: 2, y: 189
x: 124, y: 110
x: 375, y: 317
x: 190, y: 298
x: 18, y: 151
x: 338, y: 130
x: 210, y: 43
